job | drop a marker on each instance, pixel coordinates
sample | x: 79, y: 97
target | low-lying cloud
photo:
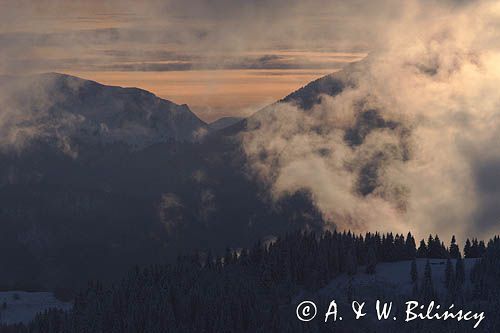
x: 411, y: 143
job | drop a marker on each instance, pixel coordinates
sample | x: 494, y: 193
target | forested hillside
x: 255, y: 290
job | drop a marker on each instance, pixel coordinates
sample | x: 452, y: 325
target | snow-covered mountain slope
x: 60, y: 107
x: 21, y: 306
x: 391, y: 283
x: 391, y: 277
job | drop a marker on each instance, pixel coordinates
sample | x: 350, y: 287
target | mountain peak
x: 54, y: 104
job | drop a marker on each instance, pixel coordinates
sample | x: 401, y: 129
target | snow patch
x: 22, y: 307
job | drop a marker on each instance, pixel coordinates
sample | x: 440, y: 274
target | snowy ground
x: 393, y: 278
x: 391, y: 281
x: 22, y: 306
x: 390, y: 284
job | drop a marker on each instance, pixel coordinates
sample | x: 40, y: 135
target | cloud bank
x: 173, y: 35
x: 411, y: 143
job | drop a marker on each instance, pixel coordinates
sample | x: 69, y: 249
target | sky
x: 221, y: 57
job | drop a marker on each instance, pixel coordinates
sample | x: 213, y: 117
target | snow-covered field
x: 22, y: 306
x: 391, y: 281
x: 393, y: 278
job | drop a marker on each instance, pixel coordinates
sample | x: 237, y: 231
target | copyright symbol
x: 306, y: 311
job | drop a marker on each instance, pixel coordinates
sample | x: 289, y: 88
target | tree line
x: 252, y: 290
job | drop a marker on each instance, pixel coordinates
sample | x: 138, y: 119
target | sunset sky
x: 221, y: 57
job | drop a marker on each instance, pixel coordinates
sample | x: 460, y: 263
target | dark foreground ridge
x: 257, y: 290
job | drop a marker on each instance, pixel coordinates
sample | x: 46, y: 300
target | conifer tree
x: 350, y: 290
x: 427, y: 292
x: 422, y: 250
x: 459, y: 272
x: 410, y: 246
x: 350, y: 262
x: 371, y: 260
x: 481, y: 249
x: 187, y: 296
x: 467, y: 249
x: 413, y: 271
x: 448, y: 273
x: 454, y: 250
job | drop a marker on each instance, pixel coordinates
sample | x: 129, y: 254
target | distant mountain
x: 223, y: 123
x: 305, y: 97
x: 53, y: 105
x: 74, y: 191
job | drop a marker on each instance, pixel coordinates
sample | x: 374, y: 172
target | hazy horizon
x: 229, y: 64
x: 213, y: 94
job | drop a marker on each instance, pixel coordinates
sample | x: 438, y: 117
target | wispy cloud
x: 124, y: 35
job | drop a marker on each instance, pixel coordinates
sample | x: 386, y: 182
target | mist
x: 57, y: 35
x: 411, y: 143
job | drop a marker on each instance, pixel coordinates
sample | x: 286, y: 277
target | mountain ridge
x: 113, y: 206
x: 59, y: 105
